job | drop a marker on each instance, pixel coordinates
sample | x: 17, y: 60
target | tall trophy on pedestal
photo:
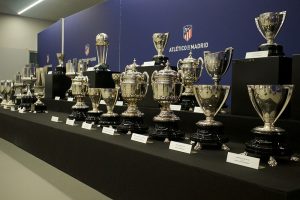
x: 79, y: 91
x: 60, y: 69
x: 269, y: 24
x: 3, y: 92
x: 160, y: 41
x: 134, y: 87
x: 109, y: 118
x: 190, y: 70
x: 269, y: 141
x: 39, y: 90
x: 102, y: 44
x: 10, y: 93
x: 93, y: 116
x: 210, y: 132
x: 18, y: 89
x: 28, y: 79
x: 71, y: 72
x: 167, y: 89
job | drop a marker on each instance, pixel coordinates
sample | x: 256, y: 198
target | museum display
x: 39, y: 90
x: 167, y: 89
x: 110, y: 96
x: 269, y: 143
x: 71, y: 72
x: 160, y: 41
x: 60, y: 68
x: 116, y: 78
x: 3, y: 92
x: 9, y: 88
x: 93, y: 116
x: 18, y: 89
x: 102, y: 44
x: 79, y: 91
x: 269, y: 24
x: 210, y: 133
x: 190, y: 70
x: 134, y: 86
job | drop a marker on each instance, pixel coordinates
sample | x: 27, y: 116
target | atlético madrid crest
x: 87, y: 49
x: 187, y: 32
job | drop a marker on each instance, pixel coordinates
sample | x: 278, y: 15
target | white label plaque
x: 148, y: 63
x: 87, y: 126
x: 108, y: 131
x: 56, y: 98
x: 54, y: 119
x: 119, y: 103
x: 102, y: 102
x: 182, y: 147
x: 257, y: 54
x: 70, y: 99
x: 12, y: 108
x: 175, y: 107
x: 70, y: 122
x: 139, y: 138
x: 50, y: 72
x: 240, y: 159
x: 198, y: 109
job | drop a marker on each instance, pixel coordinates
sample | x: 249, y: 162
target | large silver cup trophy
x: 167, y: 89
x: 28, y: 78
x: 3, y: 92
x: 93, y: 116
x: 110, y: 96
x: 269, y: 24
x: 160, y: 41
x: 102, y: 44
x: 209, y: 131
x: 217, y: 63
x: 190, y: 69
x: 39, y: 89
x: 269, y: 101
x: 134, y: 87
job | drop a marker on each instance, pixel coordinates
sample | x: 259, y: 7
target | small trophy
x: 110, y: 96
x: 18, y: 89
x: 9, y: 88
x: 209, y: 131
x: 190, y: 70
x: 28, y: 78
x: 269, y: 142
x: 71, y: 72
x: 39, y: 90
x: 167, y: 89
x: 60, y: 69
x: 102, y: 44
x: 160, y: 41
x: 134, y: 86
x: 93, y: 116
x: 269, y: 24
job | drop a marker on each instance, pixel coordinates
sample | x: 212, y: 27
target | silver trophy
x: 28, y: 78
x: 102, y: 44
x: 269, y: 101
x: 190, y: 70
x: 93, y: 116
x: 116, y: 79
x: 217, y: 63
x: 71, y: 72
x: 160, y: 41
x: 39, y: 89
x: 110, y: 96
x: 269, y: 24
x: 167, y: 89
x: 9, y: 88
x: 18, y: 89
x: 209, y: 131
x: 134, y: 86
x: 60, y: 69
x: 3, y: 92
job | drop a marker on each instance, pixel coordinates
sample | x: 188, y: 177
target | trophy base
x: 18, y: 101
x: 109, y: 121
x: 166, y: 131
x: 160, y: 60
x: 26, y: 102
x: 79, y: 114
x: 188, y: 103
x: 101, y: 67
x: 40, y: 108
x: 210, y: 137
x: 93, y: 117
x: 273, y: 49
x: 132, y: 125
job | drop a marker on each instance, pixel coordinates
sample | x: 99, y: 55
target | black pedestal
x: 56, y: 85
x: 166, y: 130
x: 110, y: 120
x: 160, y: 60
x: 40, y: 107
x: 27, y: 101
x: 295, y: 100
x: 273, y: 49
x: 79, y: 114
x: 93, y: 117
x: 132, y: 125
x: 100, y: 79
x: 188, y: 102
x: 270, y: 70
x: 211, y: 137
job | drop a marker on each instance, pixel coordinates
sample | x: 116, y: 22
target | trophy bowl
x: 269, y: 25
x: 209, y: 131
x: 102, y: 44
x: 217, y: 63
x: 160, y: 41
x: 93, y: 116
x: 110, y: 96
x: 269, y: 101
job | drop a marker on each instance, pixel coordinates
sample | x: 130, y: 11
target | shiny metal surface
x: 60, y: 59
x: 134, y: 87
x: 102, y: 44
x: 79, y: 90
x: 110, y: 96
x: 116, y: 78
x: 9, y: 92
x: 167, y: 89
x: 160, y: 41
x: 3, y: 92
x: 95, y: 96
x: 190, y: 70
x: 269, y: 101
x: 211, y: 99
x: 217, y: 63
x: 29, y: 78
x: 39, y: 88
x: 269, y: 24
x: 71, y: 71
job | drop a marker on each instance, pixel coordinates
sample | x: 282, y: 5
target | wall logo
x: 87, y: 49
x: 187, y: 32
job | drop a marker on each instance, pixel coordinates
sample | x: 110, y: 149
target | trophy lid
x: 131, y: 72
x: 189, y: 59
x: 102, y: 39
x: 167, y: 71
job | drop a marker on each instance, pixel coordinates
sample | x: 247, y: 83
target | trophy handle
x: 283, y: 13
x: 147, y: 81
x: 153, y: 76
x: 200, y: 59
x: 179, y: 62
x: 290, y: 89
x: 227, y: 89
x: 228, y: 57
x: 252, y: 99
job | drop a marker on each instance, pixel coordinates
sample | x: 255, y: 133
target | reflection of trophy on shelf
x: 210, y: 132
x: 18, y: 89
x: 134, y: 86
x: 28, y: 79
x: 269, y: 24
x: 93, y: 116
x: 79, y: 91
x: 167, y: 89
x: 160, y: 41
x: 3, y: 92
x: 270, y: 142
x: 71, y: 72
x: 39, y: 90
x: 9, y: 88
x: 109, y: 95
x: 60, y: 69
x: 102, y: 44
x: 190, y: 70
